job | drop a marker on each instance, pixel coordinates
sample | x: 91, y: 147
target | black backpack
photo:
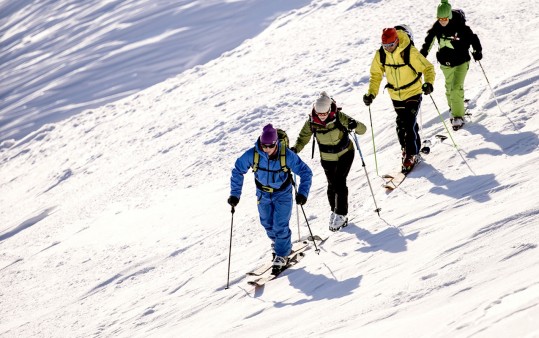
x: 458, y: 14
x: 405, y: 56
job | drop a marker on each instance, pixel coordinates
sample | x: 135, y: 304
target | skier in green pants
x: 454, y: 39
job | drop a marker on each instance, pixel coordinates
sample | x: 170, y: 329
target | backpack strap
x: 256, y: 160
x: 406, y: 57
x: 282, y: 157
x: 390, y: 86
x: 282, y: 160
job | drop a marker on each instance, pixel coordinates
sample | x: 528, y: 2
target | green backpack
x: 283, y: 139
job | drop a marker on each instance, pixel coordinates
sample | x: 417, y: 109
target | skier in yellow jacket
x: 404, y: 67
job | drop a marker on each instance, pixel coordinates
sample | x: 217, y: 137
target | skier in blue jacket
x: 273, y: 179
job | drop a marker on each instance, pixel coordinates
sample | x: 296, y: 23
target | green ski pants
x: 454, y: 87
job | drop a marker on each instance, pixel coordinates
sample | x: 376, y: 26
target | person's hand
x: 300, y: 199
x: 352, y: 124
x: 477, y: 55
x: 427, y: 88
x: 367, y: 99
x: 233, y: 201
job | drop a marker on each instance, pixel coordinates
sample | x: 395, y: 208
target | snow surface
x: 114, y: 222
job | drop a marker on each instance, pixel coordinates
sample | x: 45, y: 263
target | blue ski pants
x: 275, y: 210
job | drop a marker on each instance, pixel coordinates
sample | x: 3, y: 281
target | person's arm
x: 296, y: 164
x: 377, y: 73
x: 429, y: 41
x: 242, y: 165
x: 304, y: 137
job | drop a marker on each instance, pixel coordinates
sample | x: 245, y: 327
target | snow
x: 121, y: 120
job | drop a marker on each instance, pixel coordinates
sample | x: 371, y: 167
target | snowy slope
x: 114, y: 222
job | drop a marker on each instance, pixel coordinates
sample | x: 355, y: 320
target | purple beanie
x: 269, y: 135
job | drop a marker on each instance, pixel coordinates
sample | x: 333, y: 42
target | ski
x: 296, y: 247
x: 319, y: 239
x: 314, y: 238
x: 393, y: 181
x: 294, y: 259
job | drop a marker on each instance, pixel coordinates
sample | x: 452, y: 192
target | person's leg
x: 341, y: 189
x: 406, y: 115
x: 449, y: 74
x: 282, y: 201
x: 265, y: 212
x: 413, y: 139
x: 457, y: 93
x: 399, y: 107
x: 330, y: 169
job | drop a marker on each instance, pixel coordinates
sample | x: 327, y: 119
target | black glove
x: 233, y: 201
x: 427, y: 88
x: 300, y: 199
x: 294, y: 150
x: 477, y: 55
x: 367, y: 99
x: 352, y: 124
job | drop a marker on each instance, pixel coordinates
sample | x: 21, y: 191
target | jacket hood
x: 404, y: 40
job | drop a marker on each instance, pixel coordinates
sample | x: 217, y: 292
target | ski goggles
x: 269, y: 146
x: 323, y: 113
x: 390, y: 45
x: 443, y: 19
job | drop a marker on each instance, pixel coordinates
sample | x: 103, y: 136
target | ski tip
x: 441, y: 137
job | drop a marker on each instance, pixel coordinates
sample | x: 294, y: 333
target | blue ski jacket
x: 270, y: 173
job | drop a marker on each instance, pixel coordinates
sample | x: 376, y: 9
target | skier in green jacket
x: 330, y: 127
x: 454, y: 39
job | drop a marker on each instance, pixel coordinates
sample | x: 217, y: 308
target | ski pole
x: 443, y: 122
x: 450, y: 136
x: 425, y: 149
x: 297, y: 214
x: 309, y: 227
x: 366, y: 173
x: 373, y: 145
x: 495, y: 98
x: 230, y: 248
x: 306, y: 221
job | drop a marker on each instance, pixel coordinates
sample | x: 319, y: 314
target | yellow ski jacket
x: 402, y: 74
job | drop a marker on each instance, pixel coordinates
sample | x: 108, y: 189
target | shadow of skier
x: 318, y: 287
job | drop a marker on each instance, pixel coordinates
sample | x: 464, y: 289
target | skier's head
x: 390, y: 39
x: 269, y: 134
x: 444, y: 13
x: 322, y: 106
x: 268, y: 139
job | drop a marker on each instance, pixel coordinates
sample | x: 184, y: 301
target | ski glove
x: 294, y: 150
x: 367, y: 99
x: 233, y: 201
x: 300, y: 199
x: 352, y: 124
x: 477, y: 55
x: 427, y: 88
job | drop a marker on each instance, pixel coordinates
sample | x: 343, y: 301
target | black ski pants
x: 407, y: 128
x: 336, y: 174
